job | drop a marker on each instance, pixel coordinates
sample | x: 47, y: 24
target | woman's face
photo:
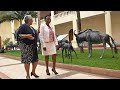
x: 30, y: 21
x: 48, y: 19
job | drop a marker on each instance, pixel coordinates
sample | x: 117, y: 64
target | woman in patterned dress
x: 27, y: 40
x: 48, y: 43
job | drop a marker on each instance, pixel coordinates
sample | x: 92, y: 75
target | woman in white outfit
x: 48, y: 43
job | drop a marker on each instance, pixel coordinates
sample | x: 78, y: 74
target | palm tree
x: 78, y: 20
x: 79, y: 27
x: 38, y: 14
x: 6, y: 16
x: 0, y: 42
x: 15, y: 15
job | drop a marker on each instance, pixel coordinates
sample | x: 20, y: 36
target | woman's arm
x: 28, y: 36
x: 56, y: 41
x: 22, y: 33
x: 41, y: 35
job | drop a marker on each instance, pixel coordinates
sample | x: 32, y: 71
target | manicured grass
x: 106, y: 62
x: 12, y: 53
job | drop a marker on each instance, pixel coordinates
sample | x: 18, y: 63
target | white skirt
x: 50, y: 49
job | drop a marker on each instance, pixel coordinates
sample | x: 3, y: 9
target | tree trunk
x: 0, y: 43
x: 20, y: 22
x: 79, y: 27
x: 38, y: 15
x: 78, y: 20
x: 38, y: 21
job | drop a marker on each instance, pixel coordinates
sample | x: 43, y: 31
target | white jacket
x: 44, y: 35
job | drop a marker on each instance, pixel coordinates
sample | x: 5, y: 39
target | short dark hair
x: 46, y: 16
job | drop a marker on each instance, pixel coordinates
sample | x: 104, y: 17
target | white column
x: 37, y: 22
x: 52, y: 20
x: 74, y: 38
x: 108, y: 23
x: 12, y: 31
x: 52, y: 16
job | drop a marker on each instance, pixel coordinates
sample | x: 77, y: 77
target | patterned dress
x: 28, y: 47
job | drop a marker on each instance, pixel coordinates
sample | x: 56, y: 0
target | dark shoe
x: 47, y: 72
x: 34, y: 75
x: 54, y: 71
x: 27, y: 77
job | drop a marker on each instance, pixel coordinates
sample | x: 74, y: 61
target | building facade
x: 104, y: 21
x: 8, y: 28
x: 62, y: 21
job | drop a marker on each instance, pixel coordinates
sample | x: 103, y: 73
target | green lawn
x: 94, y: 61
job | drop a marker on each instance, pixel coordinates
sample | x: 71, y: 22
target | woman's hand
x: 29, y: 36
x: 56, y: 46
x: 44, y: 48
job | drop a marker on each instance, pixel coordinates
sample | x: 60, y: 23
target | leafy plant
x: 15, y: 15
x: 6, y: 41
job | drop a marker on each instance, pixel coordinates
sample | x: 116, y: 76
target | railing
x: 83, y: 13
x: 67, y: 16
x: 59, y: 15
x: 65, y: 13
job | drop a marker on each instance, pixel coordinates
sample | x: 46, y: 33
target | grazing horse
x: 95, y: 37
x: 67, y: 47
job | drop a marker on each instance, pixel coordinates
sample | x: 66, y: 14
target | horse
x: 95, y: 37
x: 67, y: 47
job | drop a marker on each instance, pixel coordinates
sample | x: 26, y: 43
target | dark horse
x: 67, y: 47
x: 95, y: 37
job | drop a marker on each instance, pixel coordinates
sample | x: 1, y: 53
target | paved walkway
x: 13, y: 69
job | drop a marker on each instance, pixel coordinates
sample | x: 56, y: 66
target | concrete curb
x: 94, y: 70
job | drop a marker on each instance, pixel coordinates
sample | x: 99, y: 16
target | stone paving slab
x: 15, y: 70
x: 93, y: 70
x: 3, y: 76
x: 86, y: 76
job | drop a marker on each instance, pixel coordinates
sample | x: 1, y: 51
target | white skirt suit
x: 45, y: 41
